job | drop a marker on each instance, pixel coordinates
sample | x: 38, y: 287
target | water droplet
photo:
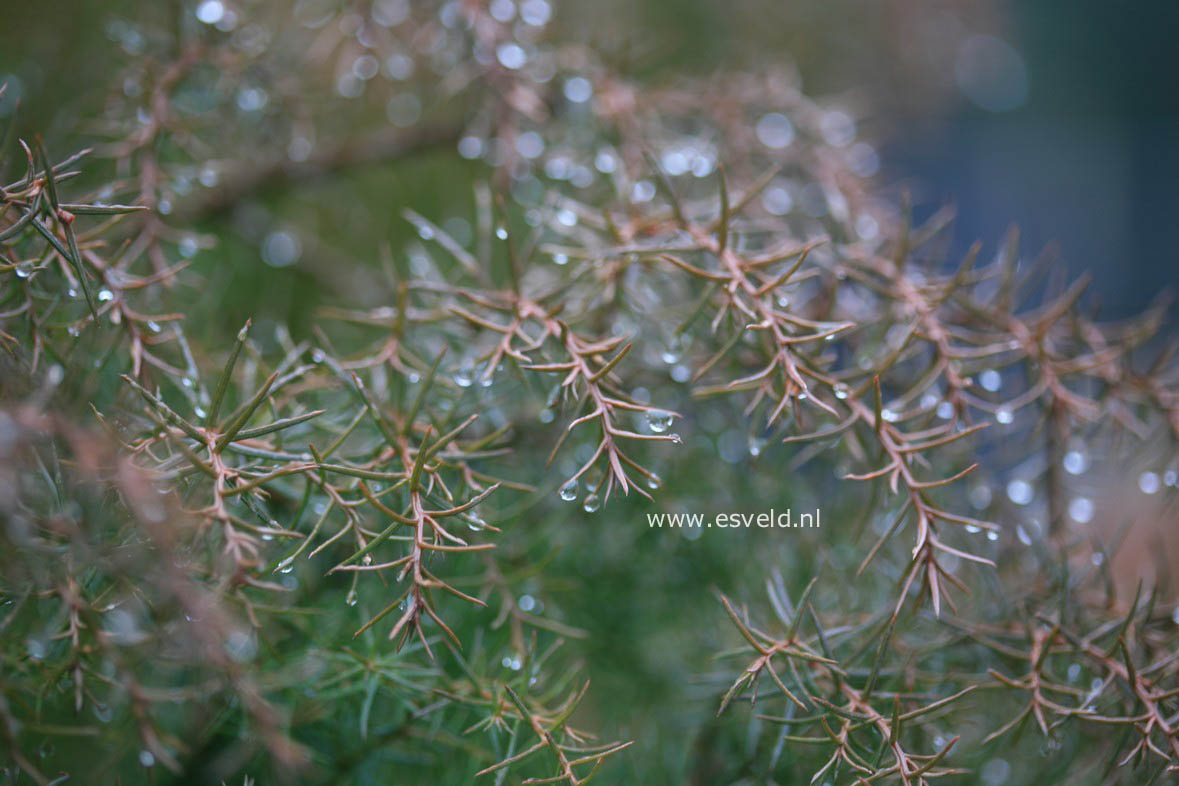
x: 526, y: 603
x: 992, y: 535
x: 24, y: 270
x: 1023, y: 535
x: 146, y: 758
x: 990, y: 380
x: 210, y: 12
x: 945, y: 410
x: 840, y: 391
x: 241, y: 645
x: 591, y: 503
x: 659, y: 420
x: 889, y: 415
x: 511, y: 55
x: 1004, y: 416
x: 774, y: 130
x: 674, y: 351
x: 995, y: 772
x: 1020, y: 492
x: 501, y: 232
x: 105, y: 294
x: 568, y: 491
x: 756, y: 444
x: 1080, y: 510
x: 103, y: 712
x: 351, y: 599
x: 36, y: 648
x: 654, y: 481
x: 560, y: 259
x: 465, y: 374
x: 1075, y: 462
x: 1148, y: 483
x: 281, y: 249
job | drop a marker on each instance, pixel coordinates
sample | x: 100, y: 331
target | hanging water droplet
x: 1075, y: 462
x: 105, y: 294
x: 24, y: 270
x: 1020, y: 492
x: 568, y: 492
x: 351, y: 598
x: 990, y: 380
x: 1004, y: 416
x: 992, y: 535
x: 464, y: 375
x: 560, y: 259
x: 36, y: 648
x: 147, y: 758
x: 674, y: 351
x: 103, y: 712
x: 659, y: 420
x: 1023, y: 535
x: 756, y: 444
x: 501, y: 232
x: 591, y: 503
x: 285, y: 567
x: 1148, y: 483
x: 973, y: 529
x: 840, y: 390
x: 654, y: 481
x: 889, y: 416
x: 1080, y: 510
x: 945, y: 410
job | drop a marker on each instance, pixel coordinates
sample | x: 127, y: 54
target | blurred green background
x: 1084, y: 156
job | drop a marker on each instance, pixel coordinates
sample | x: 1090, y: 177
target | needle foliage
x: 394, y: 528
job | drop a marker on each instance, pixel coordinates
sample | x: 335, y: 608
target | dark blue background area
x: 1090, y: 163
